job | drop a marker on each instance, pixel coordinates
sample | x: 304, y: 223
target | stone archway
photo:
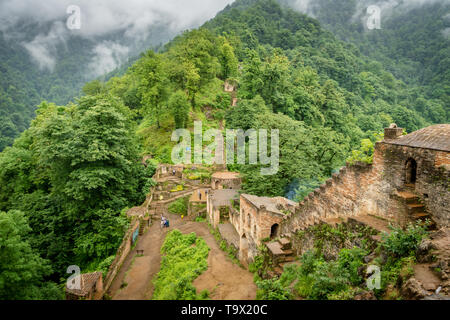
x: 274, y: 231
x: 411, y: 171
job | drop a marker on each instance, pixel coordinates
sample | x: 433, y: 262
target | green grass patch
x: 184, y: 259
x: 179, y: 206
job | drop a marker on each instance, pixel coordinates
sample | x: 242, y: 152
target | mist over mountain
x: 42, y: 59
x: 412, y: 42
x: 113, y: 30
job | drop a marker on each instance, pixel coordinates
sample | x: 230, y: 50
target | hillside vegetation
x: 71, y: 175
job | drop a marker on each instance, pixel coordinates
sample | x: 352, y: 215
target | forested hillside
x: 25, y: 82
x: 66, y: 181
x: 302, y: 71
x: 413, y: 43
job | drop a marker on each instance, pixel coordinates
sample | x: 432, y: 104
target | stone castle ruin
x: 407, y: 181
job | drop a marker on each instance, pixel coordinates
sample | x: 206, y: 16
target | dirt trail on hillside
x: 223, y: 279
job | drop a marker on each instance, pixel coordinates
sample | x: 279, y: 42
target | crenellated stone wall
x: 372, y: 189
x: 353, y: 191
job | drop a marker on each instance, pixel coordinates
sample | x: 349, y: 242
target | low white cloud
x: 43, y: 48
x: 446, y: 33
x: 302, y: 5
x: 108, y: 56
x: 388, y: 7
x: 100, y: 18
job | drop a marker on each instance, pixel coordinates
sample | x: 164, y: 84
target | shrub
x: 395, y: 272
x: 403, y: 243
x: 328, y: 279
x: 319, y: 279
x: 180, y: 206
x: 105, y: 264
x: 348, y: 294
x: 290, y: 274
x: 351, y: 260
x: 272, y: 289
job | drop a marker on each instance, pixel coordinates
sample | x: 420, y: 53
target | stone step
x: 415, y: 208
x: 289, y: 259
x: 278, y: 271
x: 421, y: 215
x: 288, y: 252
x: 408, y: 197
x: 275, y: 248
x: 285, y: 243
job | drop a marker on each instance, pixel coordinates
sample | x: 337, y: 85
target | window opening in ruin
x: 274, y: 231
x: 411, y: 171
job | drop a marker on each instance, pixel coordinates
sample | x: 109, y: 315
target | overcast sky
x: 103, y: 16
x: 386, y: 6
x: 135, y: 17
x: 99, y: 18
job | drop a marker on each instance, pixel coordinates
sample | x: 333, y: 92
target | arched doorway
x: 411, y: 171
x: 274, y: 231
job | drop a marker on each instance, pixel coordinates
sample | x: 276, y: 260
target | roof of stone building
x: 88, y: 280
x: 226, y: 175
x: 223, y: 197
x: 271, y: 204
x: 436, y: 137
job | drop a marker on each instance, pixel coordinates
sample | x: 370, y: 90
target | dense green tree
x: 179, y: 106
x: 22, y: 270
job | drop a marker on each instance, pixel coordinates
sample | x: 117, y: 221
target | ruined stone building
x: 226, y: 180
x: 223, y: 193
x: 245, y: 220
x: 407, y: 181
x: 90, y: 287
x: 260, y: 219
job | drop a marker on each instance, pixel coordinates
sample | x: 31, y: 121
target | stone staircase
x: 416, y: 210
x: 281, y: 253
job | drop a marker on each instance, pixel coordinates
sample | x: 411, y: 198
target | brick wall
x: 442, y: 158
x: 364, y: 189
x: 433, y: 177
x: 254, y: 225
x: 352, y: 191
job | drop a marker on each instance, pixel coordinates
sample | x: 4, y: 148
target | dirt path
x: 223, y: 279
x: 429, y: 280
